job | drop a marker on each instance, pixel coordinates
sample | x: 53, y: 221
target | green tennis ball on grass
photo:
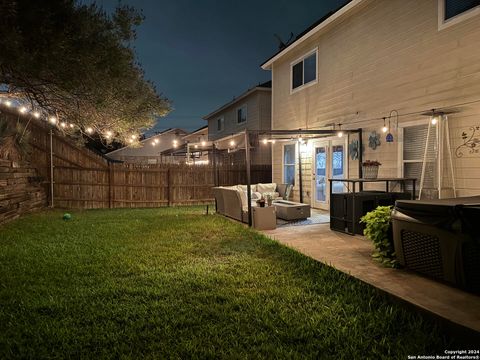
x: 67, y: 216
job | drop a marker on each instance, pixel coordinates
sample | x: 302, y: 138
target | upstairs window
x: 451, y: 12
x: 304, y: 70
x: 220, y: 124
x: 242, y: 114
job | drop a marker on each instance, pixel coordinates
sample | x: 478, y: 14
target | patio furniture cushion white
x: 253, y: 187
x: 267, y: 188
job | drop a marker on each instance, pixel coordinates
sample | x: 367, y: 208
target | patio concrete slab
x: 352, y: 255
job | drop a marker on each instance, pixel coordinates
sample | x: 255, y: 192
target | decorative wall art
x: 471, y: 142
x: 353, y: 149
x: 373, y: 140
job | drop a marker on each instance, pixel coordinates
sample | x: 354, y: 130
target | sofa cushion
x: 267, y: 188
x: 253, y: 187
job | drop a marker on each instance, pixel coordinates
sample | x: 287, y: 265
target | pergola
x: 289, y: 135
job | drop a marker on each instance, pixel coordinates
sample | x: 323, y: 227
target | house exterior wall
x: 259, y: 117
x: 385, y: 55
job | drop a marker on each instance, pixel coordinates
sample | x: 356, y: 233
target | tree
x: 76, y: 62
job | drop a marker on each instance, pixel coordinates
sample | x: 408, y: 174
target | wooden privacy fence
x: 83, y: 179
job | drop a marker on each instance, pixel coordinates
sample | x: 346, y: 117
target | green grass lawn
x: 163, y: 283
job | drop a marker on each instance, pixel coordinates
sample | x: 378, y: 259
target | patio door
x: 329, y: 161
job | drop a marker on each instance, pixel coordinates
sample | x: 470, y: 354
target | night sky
x: 200, y: 54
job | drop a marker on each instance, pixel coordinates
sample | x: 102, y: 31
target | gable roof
x: 313, y: 29
x: 266, y: 86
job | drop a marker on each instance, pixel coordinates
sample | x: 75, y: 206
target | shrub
x: 378, y: 230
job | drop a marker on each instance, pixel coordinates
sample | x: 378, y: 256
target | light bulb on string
x: 8, y: 103
x: 89, y: 130
x: 204, y: 143
x: 36, y: 114
x: 384, y: 129
x: 265, y: 141
x: 340, y: 132
x: 52, y: 119
x: 232, y: 143
x: 22, y: 109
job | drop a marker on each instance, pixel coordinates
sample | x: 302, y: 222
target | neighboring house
x: 226, y: 125
x: 151, y: 148
x: 194, y: 150
x: 360, y: 63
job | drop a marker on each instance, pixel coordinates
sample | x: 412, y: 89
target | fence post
x: 110, y: 185
x: 169, y: 186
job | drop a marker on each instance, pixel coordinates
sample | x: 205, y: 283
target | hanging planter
x: 370, y: 169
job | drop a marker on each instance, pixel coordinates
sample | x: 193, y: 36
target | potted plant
x: 370, y: 169
x: 378, y: 230
x: 261, y: 202
x: 268, y: 198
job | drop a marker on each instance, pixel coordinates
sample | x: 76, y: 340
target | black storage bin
x: 341, y: 208
x: 437, y: 238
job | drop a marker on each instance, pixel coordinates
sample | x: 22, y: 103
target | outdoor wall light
x: 384, y: 129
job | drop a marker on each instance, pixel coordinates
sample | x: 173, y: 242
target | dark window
x: 220, y: 124
x: 456, y: 7
x: 297, y: 75
x: 242, y: 115
x: 304, y: 71
x: 310, y: 65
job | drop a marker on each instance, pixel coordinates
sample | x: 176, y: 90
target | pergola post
x: 360, y: 157
x: 247, y: 165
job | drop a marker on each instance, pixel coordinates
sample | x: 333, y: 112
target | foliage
x: 14, y: 140
x: 78, y: 63
x: 176, y: 283
x: 371, y: 163
x: 378, y: 226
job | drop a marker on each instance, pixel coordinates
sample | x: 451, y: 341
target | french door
x: 329, y: 161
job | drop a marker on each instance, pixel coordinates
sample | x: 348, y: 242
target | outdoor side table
x: 264, y: 218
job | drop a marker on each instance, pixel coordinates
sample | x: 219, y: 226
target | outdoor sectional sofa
x: 232, y: 201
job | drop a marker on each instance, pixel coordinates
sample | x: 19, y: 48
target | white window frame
x: 222, y: 121
x: 298, y: 60
x: 401, y: 161
x: 443, y: 24
x: 294, y: 162
x: 244, y: 106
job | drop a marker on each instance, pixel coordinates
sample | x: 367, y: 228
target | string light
x: 434, y: 120
x: 130, y: 141
x: 204, y: 143
x: 232, y: 143
x: 63, y: 124
x: 265, y: 141
x: 272, y: 141
x: 108, y: 134
x: 53, y: 119
x: 340, y: 132
x: 384, y: 129
x: 156, y: 141
x: 175, y: 143
x: 71, y: 126
x: 133, y: 137
x: 89, y: 130
x: 8, y: 103
x: 22, y: 109
x: 36, y: 114
x: 196, y: 146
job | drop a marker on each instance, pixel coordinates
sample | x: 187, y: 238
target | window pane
x: 289, y: 154
x: 289, y: 174
x: 310, y: 64
x: 456, y: 7
x: 241, y: 115
x: 297, y: 75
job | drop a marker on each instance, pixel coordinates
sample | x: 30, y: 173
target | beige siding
x: 387, y: 55
x: 258, y: 115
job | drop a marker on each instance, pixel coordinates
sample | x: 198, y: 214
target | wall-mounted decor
x: 373, y: 140
x: 353, y: 149
x: 471, y: 142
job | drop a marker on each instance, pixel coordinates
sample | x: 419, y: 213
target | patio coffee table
x: 289, y: 210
